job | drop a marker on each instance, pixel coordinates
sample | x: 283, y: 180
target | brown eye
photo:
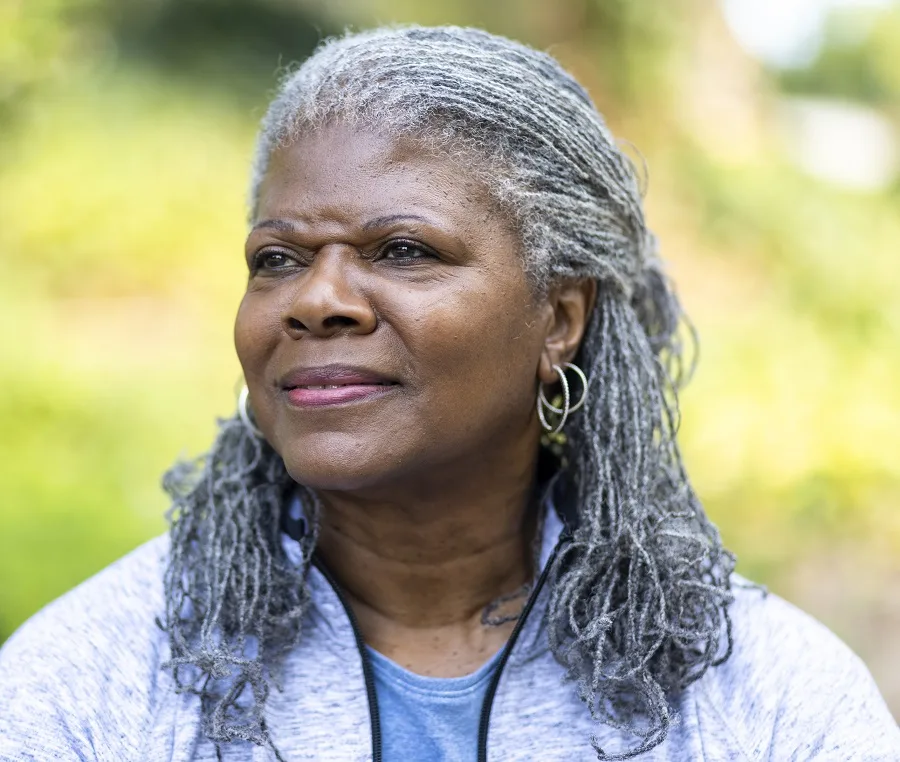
x: 270, y: 260
x: 405, y: 250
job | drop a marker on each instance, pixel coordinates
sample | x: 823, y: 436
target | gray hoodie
x: 81, y: 681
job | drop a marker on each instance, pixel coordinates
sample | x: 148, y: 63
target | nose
x: 327, y: 301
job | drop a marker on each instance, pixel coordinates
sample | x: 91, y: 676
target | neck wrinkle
x: 330, y: 612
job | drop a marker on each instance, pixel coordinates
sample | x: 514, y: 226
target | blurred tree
x: 38, y: 40
x: 859, y: 59
x: 237, y: 45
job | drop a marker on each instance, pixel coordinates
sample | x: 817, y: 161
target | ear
x: 569, y: 305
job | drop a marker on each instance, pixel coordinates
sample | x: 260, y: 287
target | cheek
x: 257, y: 329
x: 482, y: 348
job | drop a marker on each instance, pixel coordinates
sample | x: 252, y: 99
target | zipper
x: 369, y: 678
x: 507, y: 650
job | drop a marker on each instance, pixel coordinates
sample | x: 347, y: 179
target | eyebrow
x: 286, y: 226
x: 282, y: 226
x: 381, y: 222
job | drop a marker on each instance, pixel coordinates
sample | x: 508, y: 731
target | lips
x: 334, y: 385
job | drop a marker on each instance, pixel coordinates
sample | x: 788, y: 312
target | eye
x: 270, y: 260
x: 406, y: 251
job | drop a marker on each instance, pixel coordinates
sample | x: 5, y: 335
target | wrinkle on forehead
x: 364, y: 174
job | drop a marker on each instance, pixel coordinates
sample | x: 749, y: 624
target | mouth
x: 322, y: 396
x: 334, y: 385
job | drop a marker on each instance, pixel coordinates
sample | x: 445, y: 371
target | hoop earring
x: 244, y: 412
x: 580, y: 373
x: 566, y: 409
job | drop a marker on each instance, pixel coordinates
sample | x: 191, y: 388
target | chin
x: 328, y: 463
x: 325, y: 478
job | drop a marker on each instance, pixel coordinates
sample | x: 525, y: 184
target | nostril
x: 339, y: 321
x: 295, y: 325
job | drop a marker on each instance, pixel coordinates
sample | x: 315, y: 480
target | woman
x: 450, y: 521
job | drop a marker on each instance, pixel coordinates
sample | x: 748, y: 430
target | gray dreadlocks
x: 639, y: 599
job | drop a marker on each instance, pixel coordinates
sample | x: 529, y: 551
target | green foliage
x: 859, y: 59
x: 235, y: 46
x: 122, y: 266
x: 37, y: 39
x: 825, y: 249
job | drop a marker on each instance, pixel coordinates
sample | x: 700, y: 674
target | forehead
x: 339, y: 172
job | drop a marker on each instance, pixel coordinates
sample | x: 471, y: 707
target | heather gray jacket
x: 81, y: 681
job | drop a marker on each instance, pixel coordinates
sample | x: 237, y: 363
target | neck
x: 420, y: 563
x: 432, y: 558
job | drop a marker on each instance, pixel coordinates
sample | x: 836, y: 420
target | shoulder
x: 793, y: 689
x: 115, y: 604
x: 86, y: 660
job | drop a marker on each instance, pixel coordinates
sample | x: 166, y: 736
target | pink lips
x: 335, y: 395
x: 334, y: 385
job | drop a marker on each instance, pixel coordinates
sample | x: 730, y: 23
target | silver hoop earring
x: 244, y: 412
x: 563, y: 412
x: 577, y: 406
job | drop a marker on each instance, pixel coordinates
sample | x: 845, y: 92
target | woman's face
x: 388, y: 331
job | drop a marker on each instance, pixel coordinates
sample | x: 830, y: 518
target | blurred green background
x: 125, y: 136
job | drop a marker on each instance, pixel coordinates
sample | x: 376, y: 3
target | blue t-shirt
x: 429, y: 719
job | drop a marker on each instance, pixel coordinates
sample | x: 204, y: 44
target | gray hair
x: 639, y: 598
